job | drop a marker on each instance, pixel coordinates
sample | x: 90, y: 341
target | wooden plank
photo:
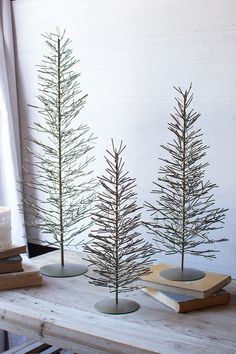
x: 19, y: 347
x: 52, y: 350
x: 29, y: 347
x: 33, y: 348
x: 74, y: 329
x: 62, y: 313
x: 65, y: 325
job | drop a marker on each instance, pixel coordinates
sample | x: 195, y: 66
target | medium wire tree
x: 59, y: 190
x: 116, y: 248
x: 184, y: 215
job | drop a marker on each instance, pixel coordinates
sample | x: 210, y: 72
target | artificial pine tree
x: 116, y: 249
x: 59, y: 190
x: 184, y: 213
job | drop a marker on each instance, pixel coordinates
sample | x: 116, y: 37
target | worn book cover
x: 201, y: 288
x: 13, y: 250
x: 183, y: 303
x: 11, y: 264
x: 29, y: 281
x: 30, y: 276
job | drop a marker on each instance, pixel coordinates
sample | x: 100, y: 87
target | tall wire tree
x: 59, y: 189
x: 184, y: 214
x: 116, y: 249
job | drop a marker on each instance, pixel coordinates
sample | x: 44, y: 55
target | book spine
x: 13, y: 269
x: 216, y: 288
x: 17, y: 276
x: 209, y: 302
x: 27, y: 282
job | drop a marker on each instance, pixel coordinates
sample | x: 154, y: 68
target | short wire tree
x: 59, y: 189
x: 184, y: 214
x: 116, y: 249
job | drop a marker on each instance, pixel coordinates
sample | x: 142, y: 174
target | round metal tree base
x: 109, y: 306
x: 59, y: 271
x: 188, y: 274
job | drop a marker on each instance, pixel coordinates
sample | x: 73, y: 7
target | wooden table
x: 62, y: 313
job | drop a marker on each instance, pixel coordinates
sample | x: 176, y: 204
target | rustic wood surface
x: 62, y: 313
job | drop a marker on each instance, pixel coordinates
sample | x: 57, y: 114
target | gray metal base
x: 188, y: 274
x: 109, y: 306
x: 59, y: 271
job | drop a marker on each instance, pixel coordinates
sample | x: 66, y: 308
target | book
x: 13, y: 250
x: 11, y: 264
x: 26, y: 282
x: 201, y: 288
x: 183, y: 303
x: 29, y: 277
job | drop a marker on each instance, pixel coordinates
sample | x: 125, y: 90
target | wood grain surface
x: 62, y: 313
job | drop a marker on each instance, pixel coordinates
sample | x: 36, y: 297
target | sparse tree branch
x: 116, y: 249
x: 184, y: 213
x: 59, y: 191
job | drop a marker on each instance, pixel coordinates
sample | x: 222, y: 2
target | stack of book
x: 16, y: 271
x: 185, y: 296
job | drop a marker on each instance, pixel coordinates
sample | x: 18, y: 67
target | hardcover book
x: 183, y: 303
x: 13, y: 250
x: 29, y: 277
x: 11, y: 264
x: 201, y: 288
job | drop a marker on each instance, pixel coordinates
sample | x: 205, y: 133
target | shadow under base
x: 59, y: 271
x: 188, y: 274
x: 109, y: 306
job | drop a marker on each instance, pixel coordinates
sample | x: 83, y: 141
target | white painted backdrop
x: 131, y: 54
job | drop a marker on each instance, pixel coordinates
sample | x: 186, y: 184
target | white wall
x: 131, y: 54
